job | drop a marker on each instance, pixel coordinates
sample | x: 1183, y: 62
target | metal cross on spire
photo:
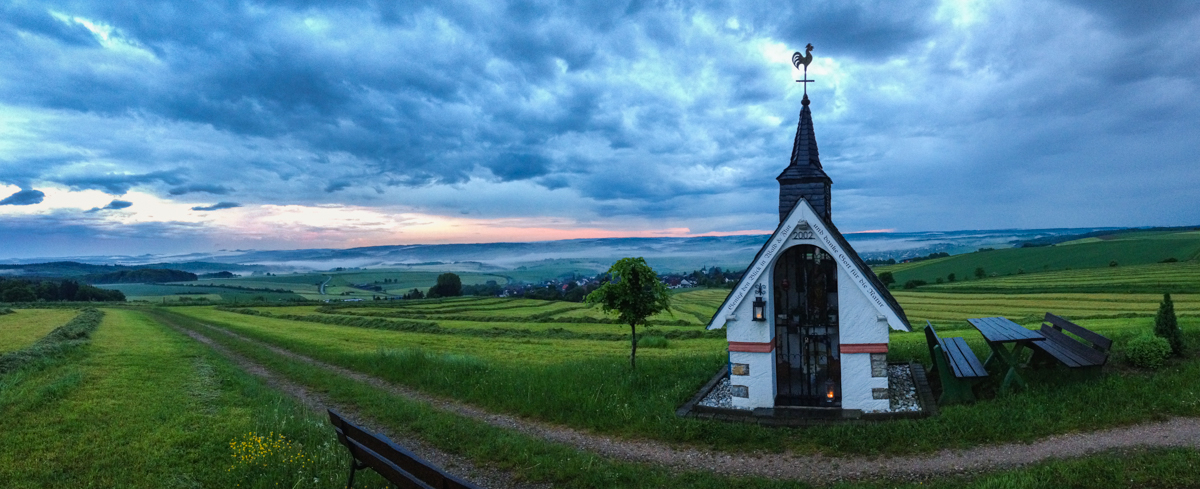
x: 799, y: 60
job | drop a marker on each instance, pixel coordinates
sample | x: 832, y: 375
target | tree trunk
x: 633, y: 351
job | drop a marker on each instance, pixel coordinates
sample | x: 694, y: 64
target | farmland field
x: 177, y: 292
x: 1126, y: 250
x: 561, y: 363
x: 1152, y: 278
x: 147, y: 407
x: 519, y: 356
x: 25, y: 326
x: 342, y: 283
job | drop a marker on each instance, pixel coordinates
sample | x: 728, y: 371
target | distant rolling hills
x: 534, y: 260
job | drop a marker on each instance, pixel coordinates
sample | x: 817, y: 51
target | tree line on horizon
x: 22, y: 290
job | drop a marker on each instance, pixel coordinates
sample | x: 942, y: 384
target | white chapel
x: 808, y: 323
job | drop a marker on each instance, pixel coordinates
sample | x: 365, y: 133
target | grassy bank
x: 142, y: 406
x: 588, y: 385
x: 540, y: 461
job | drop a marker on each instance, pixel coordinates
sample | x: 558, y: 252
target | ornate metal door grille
x: 807, y: 369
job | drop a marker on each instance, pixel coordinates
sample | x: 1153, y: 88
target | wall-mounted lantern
x: 760, y: 306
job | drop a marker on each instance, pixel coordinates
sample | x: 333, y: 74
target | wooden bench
x: 399, y: 466
x: 1092, y: 351
x: 957, y: 366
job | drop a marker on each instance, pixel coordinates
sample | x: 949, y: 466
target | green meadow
x: 1132, y: 257
x: 137, y: 403
x: 25, y: 326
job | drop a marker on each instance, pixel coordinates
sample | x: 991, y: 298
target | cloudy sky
x: 143, y: 127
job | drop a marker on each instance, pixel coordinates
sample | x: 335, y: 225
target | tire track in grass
x: 455, y: 464
x: 817, y: 469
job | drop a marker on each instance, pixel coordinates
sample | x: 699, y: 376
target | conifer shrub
x: 1166, y: 326
x: 1147, y: 351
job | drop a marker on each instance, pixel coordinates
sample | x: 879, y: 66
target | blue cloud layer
x: 216, y: 207
x: 934, y: 117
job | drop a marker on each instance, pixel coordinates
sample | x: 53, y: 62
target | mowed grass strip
x: 1151, y: 278
x: 142, y: 406
x: 25, y: 326
x: 942, y: 308
x: 536, y: 460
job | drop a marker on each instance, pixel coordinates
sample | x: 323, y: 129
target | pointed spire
x: 804, y: 177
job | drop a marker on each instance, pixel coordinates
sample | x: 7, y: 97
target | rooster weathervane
x: 799, y: 60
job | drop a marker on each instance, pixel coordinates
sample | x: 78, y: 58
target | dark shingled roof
x: 806, y: 161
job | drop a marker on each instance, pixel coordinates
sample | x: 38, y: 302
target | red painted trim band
x: 748, y: 347
x: 865, y: 348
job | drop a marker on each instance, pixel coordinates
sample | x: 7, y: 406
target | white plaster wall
x: 744, y: 327
x: 858, y: 319
x: 857, y: 384
x: 761, y: 380
x: 858, y: 322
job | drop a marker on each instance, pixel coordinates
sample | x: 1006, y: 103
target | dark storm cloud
x: 200, y: 187
x: 928, y: 114
x: 216, y: 207
x: 870, y: 30
x: 36, y: 20
x: 24, y: 197
x: 119, y: 183
x: 114, y: 205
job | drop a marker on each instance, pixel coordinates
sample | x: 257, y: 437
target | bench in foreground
x: 396, y: 464
x: 957, y: 366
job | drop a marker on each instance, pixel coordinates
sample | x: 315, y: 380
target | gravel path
x: 460, y: 466
x: 814, y: 469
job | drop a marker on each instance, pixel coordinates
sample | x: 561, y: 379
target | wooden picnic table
x: 998, y: 331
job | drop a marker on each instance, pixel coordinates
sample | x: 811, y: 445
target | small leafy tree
x: 979, y: 273
x: 448, y: 285
x: 887, y: 278
x: 1167, y: 327
x: 950, y: 278
x: 635, y: 293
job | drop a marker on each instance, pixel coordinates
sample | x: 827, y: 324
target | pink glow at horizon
x: 501, y: 234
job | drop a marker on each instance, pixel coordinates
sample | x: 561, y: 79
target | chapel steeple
x: 804, y: 178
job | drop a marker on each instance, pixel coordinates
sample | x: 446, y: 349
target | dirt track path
x: 814, y: 469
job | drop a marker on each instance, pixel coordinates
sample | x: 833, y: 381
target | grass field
x: 539, y: 378
x: 341, y: 283
x: 539, y: 461
x: 1126, y: 249
x: 143, y: 406
x: 176, y: 292
x: 25, y: 326
x: 1152, y: 278
x: 140, y: 377
x: 945, y: 309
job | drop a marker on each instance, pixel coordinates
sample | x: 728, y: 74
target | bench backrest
x: 931, y: 340
x: 1097, y: 341
x: 393, y: 462
x: 1090, y: 356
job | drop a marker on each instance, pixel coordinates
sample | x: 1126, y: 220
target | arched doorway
x: 807, y: 370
